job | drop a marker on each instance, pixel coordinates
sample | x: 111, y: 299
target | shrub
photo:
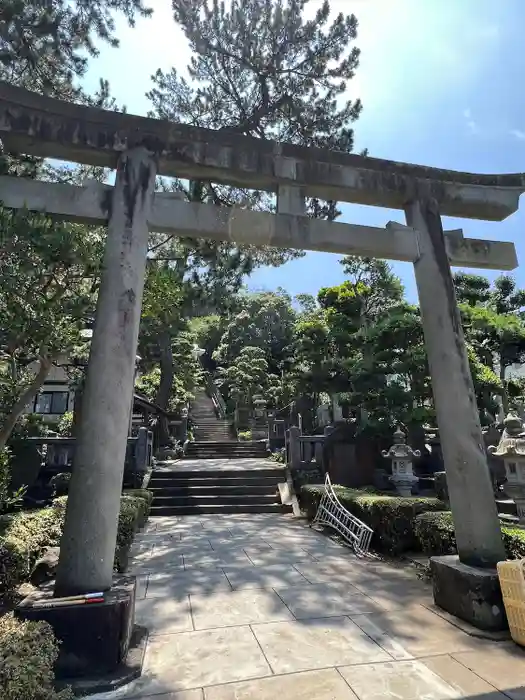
x: 60, y: 483
x: 8, y: 499
x: 279, y: 456
x: 390, y: 517
x: 436, y: 535
x: 144, y: 494
x: 244, y: 435
x: 28, y: 651
x: 65, y: 424
x: 25, y: 536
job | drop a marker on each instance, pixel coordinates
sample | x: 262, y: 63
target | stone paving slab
x: 274, y: 576
x: 197, y: 659
x: 467, y: 683
x: 500, y: 665
x: 164, y: 615
x: 321, y: 643
x: 309, y: 685
x: 237, y: 608
x: 243, y: 607
x: 403, y: 680
x: 422, y: 633
x: 326, y: 600
x: 182, y: 583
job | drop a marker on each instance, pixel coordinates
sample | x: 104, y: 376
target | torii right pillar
x: 465, y: 585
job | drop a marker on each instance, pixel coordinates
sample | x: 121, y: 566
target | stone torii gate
x: 139, y: 148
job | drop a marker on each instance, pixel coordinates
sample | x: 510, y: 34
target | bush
x: 436, y: 535
x: 65, y: 424
x: 244, y: 435
x: 390, y: 517
x: 60, y: 483
x: 146, y: 496
x: 25, y: 536
x: 279, y: 456
x: 28, y: 651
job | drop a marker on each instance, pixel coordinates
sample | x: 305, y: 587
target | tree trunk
x: 504, y: 395
x: 77, y: 408
x: 167, y: 373
x: 23, y: 400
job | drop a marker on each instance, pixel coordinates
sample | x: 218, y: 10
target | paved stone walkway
x: 261, y: 607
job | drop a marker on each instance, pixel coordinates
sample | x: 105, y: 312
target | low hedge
x: 28, y: 651
x: 390, y: 517
x: 435, y: 532
x: 25, y: 536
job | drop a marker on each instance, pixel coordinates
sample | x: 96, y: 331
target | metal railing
x: 331, y: 512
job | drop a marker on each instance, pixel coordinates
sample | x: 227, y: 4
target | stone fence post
x: 294, y: 447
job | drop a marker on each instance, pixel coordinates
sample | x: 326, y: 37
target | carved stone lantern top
x: 512, y: 442
x: 400, y: 450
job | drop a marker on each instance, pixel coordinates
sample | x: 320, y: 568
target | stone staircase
x: 217, y: 491
x: 226, y: 450
x: 208, y: 426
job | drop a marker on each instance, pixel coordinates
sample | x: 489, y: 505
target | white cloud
x: 472, y: 126
x: 518, y: 133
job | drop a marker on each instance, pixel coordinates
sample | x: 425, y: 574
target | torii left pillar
x: 90, y: 533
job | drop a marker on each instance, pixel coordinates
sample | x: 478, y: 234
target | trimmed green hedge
x: 390, y: 517
x: 436, y: 535
x: 28, y: 651
x: 24, y: 536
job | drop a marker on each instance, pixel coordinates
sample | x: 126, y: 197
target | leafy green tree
x: 265, y: 320
x: 46, y: 44
x: 259, y: 68
x: 48, y: 280
x: 248, y: 376
x: 494, y: 325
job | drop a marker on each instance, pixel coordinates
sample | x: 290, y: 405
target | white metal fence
x: 332, y: 513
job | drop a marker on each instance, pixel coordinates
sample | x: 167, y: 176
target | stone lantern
x: 511, y: 449
x: 260, y: 418
x: 402, y: 455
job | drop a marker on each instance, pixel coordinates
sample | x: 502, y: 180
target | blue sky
x: 441, y: 83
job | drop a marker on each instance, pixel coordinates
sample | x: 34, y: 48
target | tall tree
x: 258, y: 68
x: 46, y: 44
x: 48, y: 280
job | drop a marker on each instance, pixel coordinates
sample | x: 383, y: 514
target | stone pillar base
x: 95, y: 636
x: 470, y: 593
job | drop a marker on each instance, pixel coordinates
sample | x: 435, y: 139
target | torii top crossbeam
x: 42, y: 126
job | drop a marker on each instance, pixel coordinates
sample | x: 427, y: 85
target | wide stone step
x: 247, y: 475
x: 220, y: 499
x: 218, y: 490
x: 220, y: 509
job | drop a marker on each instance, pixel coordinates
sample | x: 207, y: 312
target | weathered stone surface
x: 326, y: 600
x: 164, y: 615
x: 336, y: 641
x: 477, y: 528
x: 468, y: 592
x: 237, y: 608
x: 196, y: 659
x: 45, y: 567
x: 310, y: 685
x: 95, y: 637
x: 42, y: 126
x: 464, y: 681
x: 404, y: 680
x: 503, y: 666
x: 420, y: 632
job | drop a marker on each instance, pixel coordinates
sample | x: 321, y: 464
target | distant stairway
x: 217, y: 491
x: 226, y: 450
x: 208, y: 426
